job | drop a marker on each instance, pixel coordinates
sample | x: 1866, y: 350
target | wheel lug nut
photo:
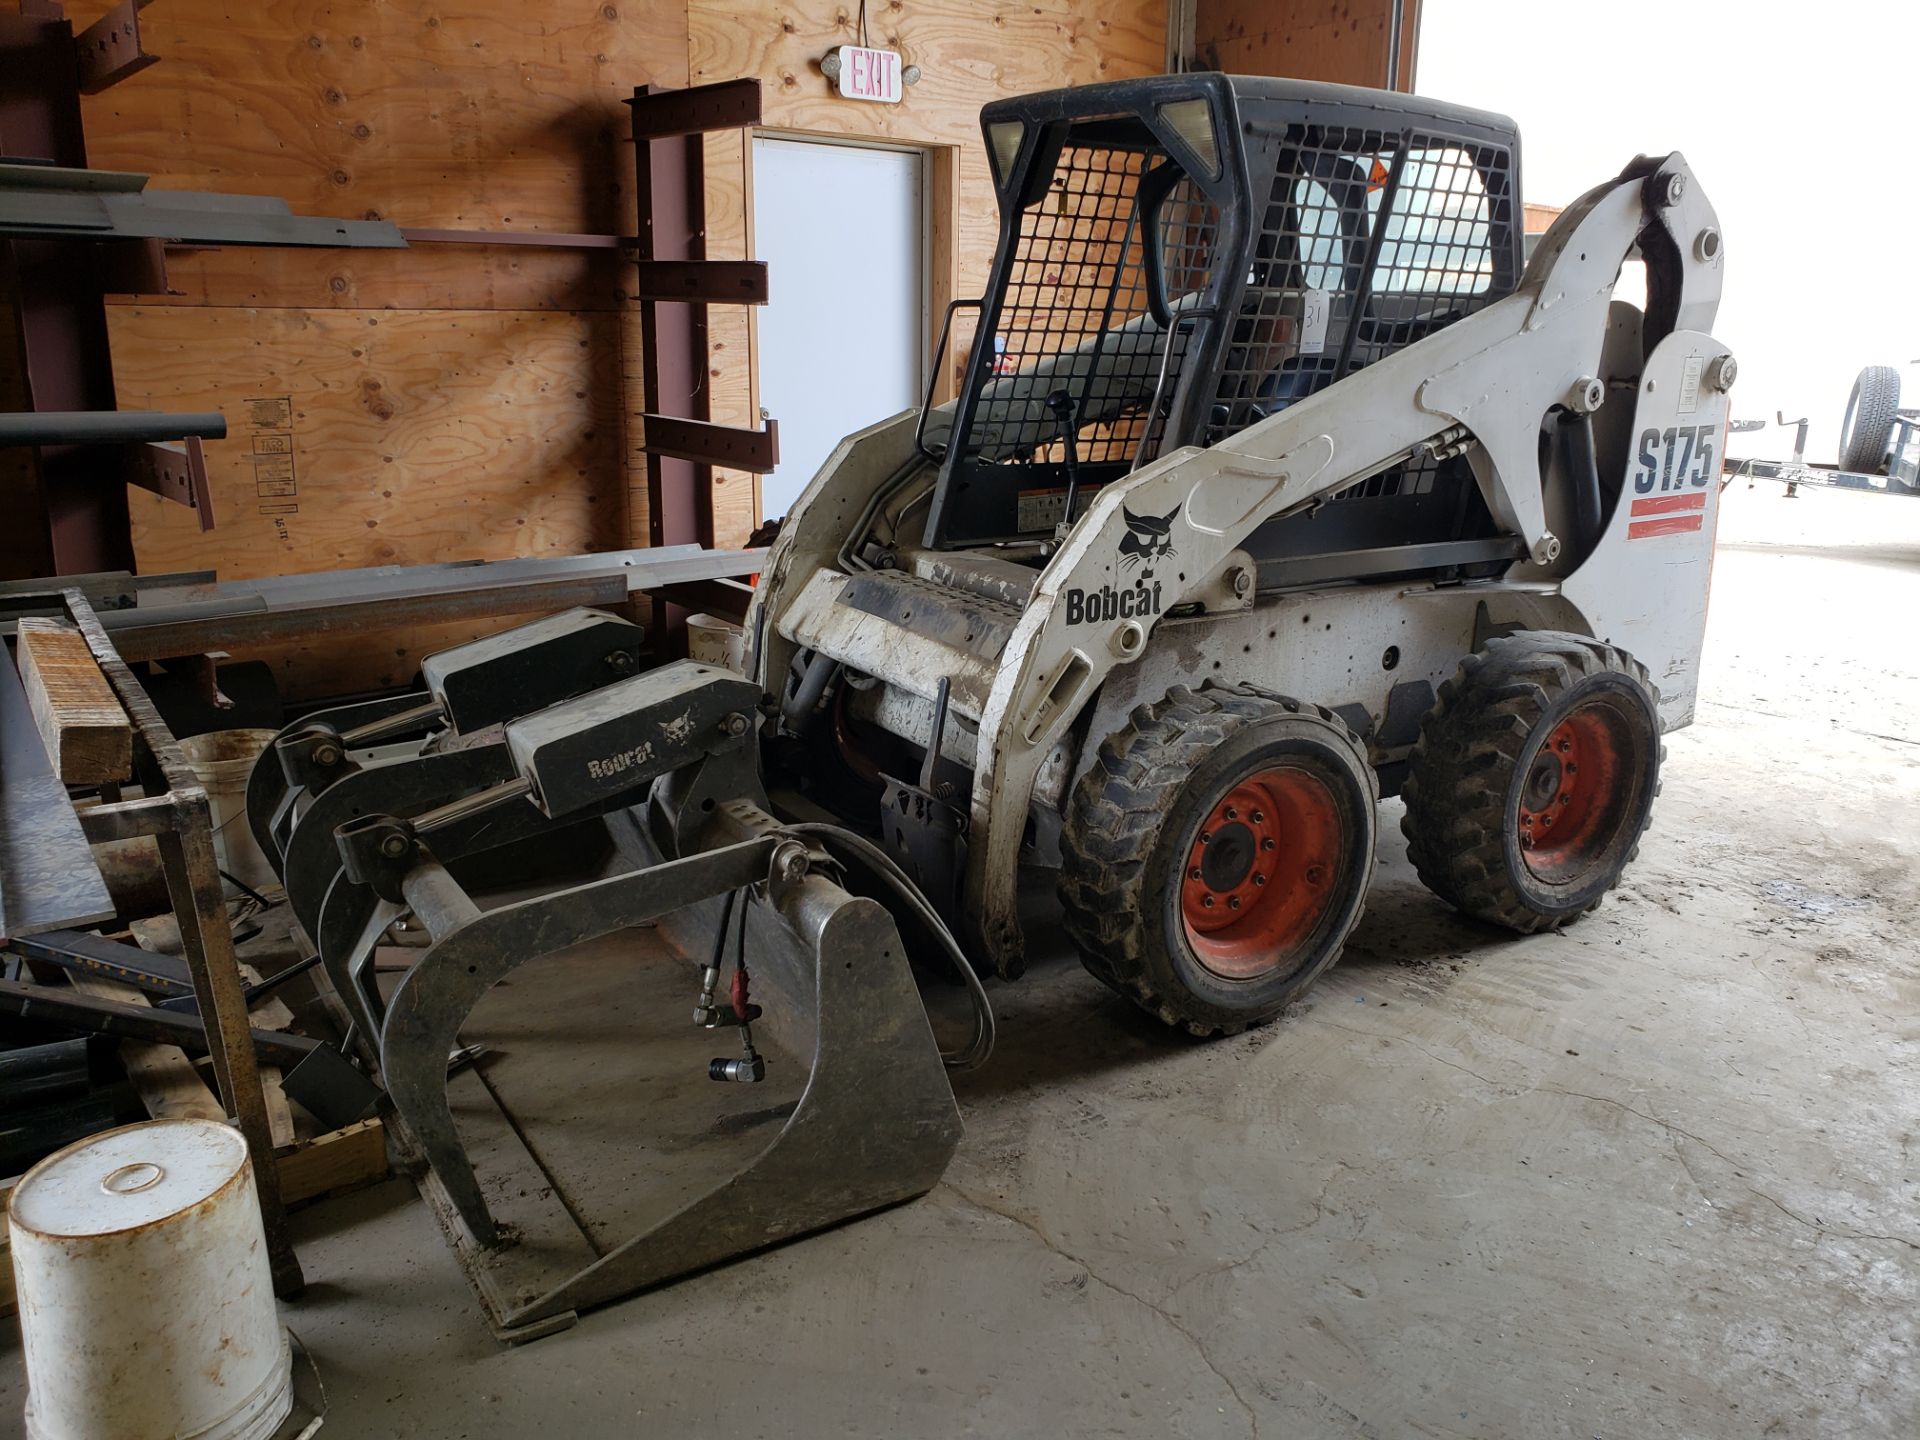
x: 1207, y: 901
x: 1267, y: 844
x: 1205, y: 837
x: 1572, y: 768
x: 1259, y: 879
x: 1315, y: 874
x: 1257, y: 818
x: 1232, y: 814
x: 1233, y: 902
x: 1194, y: 873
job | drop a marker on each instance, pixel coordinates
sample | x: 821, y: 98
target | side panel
x: 1377, y: 654
x: 826, y: 513
x: 1644, y: 588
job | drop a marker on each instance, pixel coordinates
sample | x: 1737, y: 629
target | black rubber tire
x: 1477, y: 748
x: 1133, y: 818
x: 1867, y: 429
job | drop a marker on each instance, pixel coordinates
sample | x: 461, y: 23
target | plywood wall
x: 1343, y: 41
x: 482, y: 113
x: 455, y: 403
x: 389, y: 407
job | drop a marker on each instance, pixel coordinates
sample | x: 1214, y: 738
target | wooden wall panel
x: 969, y: 52
x: 732, y: 384
x: 421, y: 277
x: 1541, y: 217
x: 381, y: 438
x: 453, y: 113
x: 445, y: 402
x: 1342, y: 41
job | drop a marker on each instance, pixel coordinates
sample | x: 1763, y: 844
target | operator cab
x: 1184, y: 256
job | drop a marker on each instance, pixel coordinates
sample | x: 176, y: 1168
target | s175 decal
x: 1676, y: 458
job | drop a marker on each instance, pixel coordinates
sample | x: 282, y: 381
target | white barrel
x: 146, y: 1299
x: 223, y: 762
x: 717, y: 642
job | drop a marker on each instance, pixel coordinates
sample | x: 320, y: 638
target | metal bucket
x: 146, y: 1302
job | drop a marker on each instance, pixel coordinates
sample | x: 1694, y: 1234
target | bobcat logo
x: 1147, y: 537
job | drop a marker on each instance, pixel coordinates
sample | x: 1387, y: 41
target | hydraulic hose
x: 798, y: 706
x: 981, y: 1046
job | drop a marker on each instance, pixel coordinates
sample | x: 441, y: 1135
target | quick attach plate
x: 591, y: 750
x: 531, y: 666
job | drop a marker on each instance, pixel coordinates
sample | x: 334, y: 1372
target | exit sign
x: 868, y: 74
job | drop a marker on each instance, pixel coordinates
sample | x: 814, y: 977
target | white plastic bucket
x: 223, y: 760
x: 146, y: 1300
x: 713, y: 641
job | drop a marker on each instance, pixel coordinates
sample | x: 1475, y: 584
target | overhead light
x: 1003, y: 140
x: 1192, y: 121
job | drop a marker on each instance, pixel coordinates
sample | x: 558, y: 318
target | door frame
x: 939, y: 225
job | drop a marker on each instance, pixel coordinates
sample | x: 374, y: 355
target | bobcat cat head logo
x: 1148, y: 537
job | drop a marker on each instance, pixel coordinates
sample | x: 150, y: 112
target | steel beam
x: 726, y: 105
x: 109, y: 427
x: 109, y: 50
x: 706, y: 444
x: 253, y: 612
x: 48, y: 879
x: 191, y: 635
x: 89, y: 954
x: 725, y: 282
x: 327, y: 1084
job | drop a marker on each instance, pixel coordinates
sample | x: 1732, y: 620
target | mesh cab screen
x: 1075, y: 316
x: 1139, y: 305
x: 1367, y: 242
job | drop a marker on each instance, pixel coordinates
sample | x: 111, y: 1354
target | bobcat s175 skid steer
x: 1301, y: 490
x: 1276, y: 481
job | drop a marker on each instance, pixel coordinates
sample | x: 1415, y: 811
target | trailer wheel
x: 1867, y: 428
x: 1533, y: 779
x: 1217, y: 855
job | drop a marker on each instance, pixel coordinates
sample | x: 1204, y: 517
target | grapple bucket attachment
x: 550, y: 1206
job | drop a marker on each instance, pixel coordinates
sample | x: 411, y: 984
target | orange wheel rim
x: 1261, y: 872
x: 1570, y: 801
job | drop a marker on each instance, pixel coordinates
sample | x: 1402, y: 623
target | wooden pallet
x: 336, y: 1163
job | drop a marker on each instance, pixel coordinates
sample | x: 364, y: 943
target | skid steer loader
x: 1299, y: 492
x: 1275, y: 482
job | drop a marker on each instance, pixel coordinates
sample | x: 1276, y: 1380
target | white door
x: 842, y: 229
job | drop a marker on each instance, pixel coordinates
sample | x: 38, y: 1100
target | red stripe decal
x: 1669, y: 525
x: 1667, y: 504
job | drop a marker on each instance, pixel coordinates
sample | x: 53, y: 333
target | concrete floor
x: 1651, y: 1177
